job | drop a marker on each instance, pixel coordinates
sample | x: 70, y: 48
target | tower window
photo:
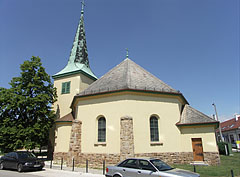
x: 66, y: 87
x: 154, y: 128
x: 102, y: 129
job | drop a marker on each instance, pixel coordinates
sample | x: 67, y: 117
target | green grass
x: 222, y: 170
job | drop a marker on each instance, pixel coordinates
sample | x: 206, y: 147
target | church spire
x: 78, y: 60
x: 79, y: 53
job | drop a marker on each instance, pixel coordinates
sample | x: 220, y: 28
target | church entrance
x: 197, y: 149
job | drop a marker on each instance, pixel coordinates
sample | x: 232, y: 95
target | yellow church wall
x: 62, y: 134
x: 78, y: 83
x: 207, y: 133
x: 140, y: 108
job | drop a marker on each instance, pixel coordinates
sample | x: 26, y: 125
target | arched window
x: 102, y: 129
x: 154, y: 133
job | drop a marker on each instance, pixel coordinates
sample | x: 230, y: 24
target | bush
x: 221, y: 147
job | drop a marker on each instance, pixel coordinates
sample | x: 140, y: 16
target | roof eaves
x: 63, y: 121
x: 198, y: 123
x: 72, y: 73
x: 133, y: 90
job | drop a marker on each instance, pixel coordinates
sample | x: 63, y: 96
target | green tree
x: 25, y: 108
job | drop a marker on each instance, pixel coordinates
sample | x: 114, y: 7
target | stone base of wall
x: 212, y: 158
x: 96, y: 160
x: 57, y: 157
x: 170, y: 157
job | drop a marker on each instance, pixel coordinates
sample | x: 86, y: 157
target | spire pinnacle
x: 126, y: 52
x: 83, y: 4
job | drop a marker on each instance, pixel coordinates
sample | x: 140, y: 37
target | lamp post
x: 220, y: 130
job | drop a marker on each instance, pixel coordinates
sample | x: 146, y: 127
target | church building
x: 128, y: 112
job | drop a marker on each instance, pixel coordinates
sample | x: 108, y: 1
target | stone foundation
x: 212, y: 158
x: 57, y: 157
x: 170, y: 157
x: 96, y: 160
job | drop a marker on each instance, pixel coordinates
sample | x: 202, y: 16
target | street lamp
x: 220, y: 130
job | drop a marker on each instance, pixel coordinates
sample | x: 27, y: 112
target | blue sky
x: 191, y: 45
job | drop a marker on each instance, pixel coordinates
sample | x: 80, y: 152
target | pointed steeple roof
x: 128, y: 76
x: 78, y: 60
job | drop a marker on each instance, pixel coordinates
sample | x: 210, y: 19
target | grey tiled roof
x: 193, y: 116
x: 127, y: 75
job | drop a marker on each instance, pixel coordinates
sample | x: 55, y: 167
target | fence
x: 85, y: 169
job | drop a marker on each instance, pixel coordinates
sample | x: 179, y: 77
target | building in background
x: 230, y: 130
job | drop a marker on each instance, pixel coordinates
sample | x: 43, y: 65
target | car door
x: 12, y: 160
x: 146, y: 169
x: 128, y: 168
x: 6, y: 160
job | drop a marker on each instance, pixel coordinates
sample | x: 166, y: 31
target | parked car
x: 21, y: 160
x: 144, y: 167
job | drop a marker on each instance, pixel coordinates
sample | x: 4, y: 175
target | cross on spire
x: 83, y: 4
x: 127, y: 52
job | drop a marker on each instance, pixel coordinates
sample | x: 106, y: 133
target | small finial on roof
x: 83, y: 4
x: 127, y: 52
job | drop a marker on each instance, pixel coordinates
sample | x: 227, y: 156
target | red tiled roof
x: 66, y: 118
x: 230, y: 124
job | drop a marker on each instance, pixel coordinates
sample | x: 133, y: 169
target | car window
x: 129, y: 163
x: 145, y: 165
x: 160, y: 165
x: 25, y: 155
x: 11, y: 154
x: 14, y: 155
x: 8, y: 154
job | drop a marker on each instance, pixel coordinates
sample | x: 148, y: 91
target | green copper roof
x: 78, y: 60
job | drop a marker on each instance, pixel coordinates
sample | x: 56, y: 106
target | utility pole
x: 220, y: 130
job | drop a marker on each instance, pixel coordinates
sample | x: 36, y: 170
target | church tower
x: 76, y: 75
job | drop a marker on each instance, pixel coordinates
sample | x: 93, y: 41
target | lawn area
x: 224, y: 169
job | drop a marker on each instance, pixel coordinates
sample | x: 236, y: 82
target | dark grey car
x: 21, y: 160
x: 143, y: 167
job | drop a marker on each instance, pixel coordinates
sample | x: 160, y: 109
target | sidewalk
x: 76, y: 169
x: 46, y: 172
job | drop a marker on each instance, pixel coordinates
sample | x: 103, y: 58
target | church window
x: 102, y: 129
x: 66, y: 87
x: 154, y: 128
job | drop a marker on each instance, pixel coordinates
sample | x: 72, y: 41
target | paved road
x: 47, y: 173
x: 8, y: 173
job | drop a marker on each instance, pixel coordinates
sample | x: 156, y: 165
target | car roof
x: 142, y: 158
x: 23, y: 152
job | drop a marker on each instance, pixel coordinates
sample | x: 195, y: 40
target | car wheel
x: 20, y: 168
x: 116, y: 176
x: 1, y: 166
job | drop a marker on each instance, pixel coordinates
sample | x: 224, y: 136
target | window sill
x: 156, y: 144
x: 100, y: 144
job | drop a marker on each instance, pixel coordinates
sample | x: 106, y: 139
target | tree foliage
x: 25, y: 108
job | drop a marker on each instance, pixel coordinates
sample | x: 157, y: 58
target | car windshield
x: 25, y: 155
x: 160, y: 165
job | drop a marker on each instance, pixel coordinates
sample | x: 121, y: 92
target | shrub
x: 221, y: 147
